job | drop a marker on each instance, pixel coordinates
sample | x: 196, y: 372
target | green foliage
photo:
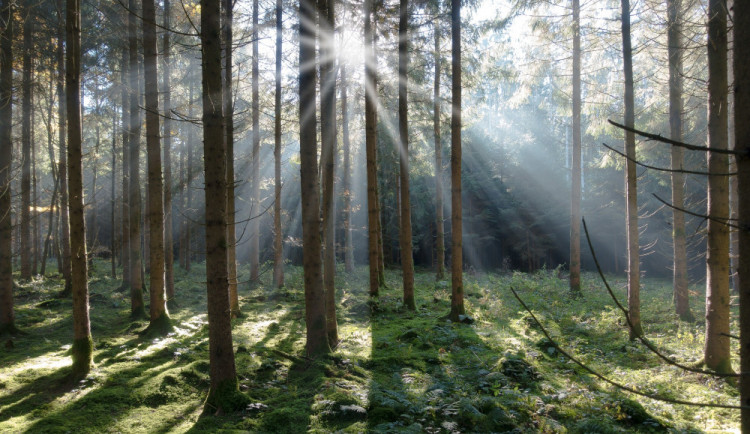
x: 394, y: 371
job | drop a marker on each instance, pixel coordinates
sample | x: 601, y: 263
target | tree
x: 457, y: 287
x: 278, y: 236
x: 575, y: 180
x: 7, y: 315
x: 134, y: 199
x: 83, y: 345
x: 674, y: 47
x: 125, y: 215
x: 222, y: 368
x: 63, y: 173
x: 168, y: 219
x: 234, y: 301
x: 371, y: 140
x: 742, y: 147
x: 28, y: 29
x: 326, y: 11
x: 716, y: 352
x: 631, y: 189
x: 159, y: 318
x: 255, y: 200
x: 407, y: 260
x: 436, y: 109
x: 347, y: 176
x: 315, y: 315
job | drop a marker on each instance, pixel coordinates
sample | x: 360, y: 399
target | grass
x: 394, y: 370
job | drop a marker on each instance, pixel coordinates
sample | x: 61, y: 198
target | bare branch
x: 660, y: 138
x: 663, y: 169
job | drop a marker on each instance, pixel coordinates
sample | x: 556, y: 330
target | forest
x: 436, y: 216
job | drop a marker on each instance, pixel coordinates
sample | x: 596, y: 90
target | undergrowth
x: 394, y: 370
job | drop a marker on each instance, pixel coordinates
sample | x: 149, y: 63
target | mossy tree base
x: 225, y: 398
x: 159, y: 327
x: 81, y: 352
x: 10, y: 330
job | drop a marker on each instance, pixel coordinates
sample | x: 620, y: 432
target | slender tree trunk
x: 82, y: 343
x: 222, y: 368
x: 326, y: 12
x: 742, y: 146
x: 34, y: 196
x: 347, y: 181
x: 234, y: 301
x: 168, y: 218
x: 716, y: 352
x: 457, y: 294
x: 255, y: 200
x: 733, y: 186
x: 674, y: 47
x: 315, y: 315
x: 93, y: 235
x: 113, y: 199
x: 631, y: 190
x: 159, y: 316
x: 51, y: 214
x: 407, y: 260
x: 575, y: 184
x: 182, y: 207
x: 63, y: 173
x: 278, y: 244
x: 436, y: 109
x: 189, y: 183
x: 28, y: 29
x: 125, y: 119
x: 137, y: 308
x: 7, y: 314
x: 371, y: 140
x: 53, y: 171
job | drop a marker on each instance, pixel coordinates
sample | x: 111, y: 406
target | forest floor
x: 394, y: 370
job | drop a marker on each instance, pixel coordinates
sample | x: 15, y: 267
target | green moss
x: 81, y: 352
x: 225, y: 398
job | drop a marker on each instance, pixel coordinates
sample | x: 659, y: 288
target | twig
x: 612, y: 382
x: 723, y: 221
x: 664, y: 169
x: 643, y: 340
x: 660, y: 138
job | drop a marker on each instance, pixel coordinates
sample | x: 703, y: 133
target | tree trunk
x: 255, y: 200
x: 159, y: 318
x: 716, y: 352
x: 733, y: 186
x: 188, y: 187
x: 51, y: 222
x: 439, y: 218
x: 631, y: 190
x: 7, y: 315
x: 168, y: 219
x: 234, y: 301
x: 575, y: 180
x: 315, y: 315
x: 742, y: 146
x: 326, y: 12
x: 63, y: 174
x: 674, y: 47
x: 137, y: 308
x: 407, y: 260
x: 278, y: 244
x: 113, y: 199
x: 371, y: 141
x: 125, y: 172
x: 222, y: 368
x: 347, y: 181
x: 28, y: 28
x: 457, y: 294
x: 82, y: 343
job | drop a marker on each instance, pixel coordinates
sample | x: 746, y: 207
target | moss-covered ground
x: 394, y: 370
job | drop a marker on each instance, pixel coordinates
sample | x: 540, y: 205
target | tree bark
x: 716, y: 352
x: 405, y: 236
x: 168, y: 216
x: 347, y: 181
x: 278, y: 244
x: 631, y: 189
x: 315, y: 315
x: 137, y: 308
x: 255, y: 200
x: 575, y: 179
x: 113, y: 199
x: 436, y: 110
x: 234, y: 301
x: 189, y: 183
x: 63, y: 175
x: 7, y: 314
x: 159, y: 317
x: 457, y: 294
x: 679, y: 241
x: 222, y: 367
x: 125, y: 215
x: 28, y: 28
x: 371, y: 140
x: 742, y: 146
x: 82, y: 343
